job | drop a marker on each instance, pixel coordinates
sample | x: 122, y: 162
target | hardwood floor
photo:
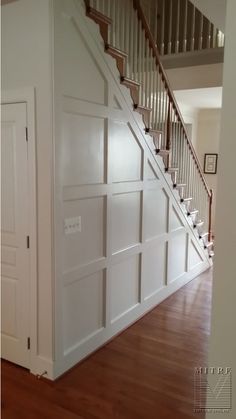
x: 146, y: 372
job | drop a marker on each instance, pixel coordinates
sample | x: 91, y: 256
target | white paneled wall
x: 134, y: 246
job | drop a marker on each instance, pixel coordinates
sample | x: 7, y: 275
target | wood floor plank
x: 144, y: 373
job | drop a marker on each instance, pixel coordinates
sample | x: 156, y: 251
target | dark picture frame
x: 210, y: 163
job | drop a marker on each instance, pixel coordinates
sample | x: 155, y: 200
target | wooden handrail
x: 156, y: 55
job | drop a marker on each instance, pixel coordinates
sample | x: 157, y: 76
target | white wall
x: 135, y: 246
x: 214, y: 10
x: 208, y: 138
x: 190, y: 117
x: 26, y: 62
x: 223, y: 339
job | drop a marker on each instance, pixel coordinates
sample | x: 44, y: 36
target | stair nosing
x: 95, y: 13
x: 120, y: 53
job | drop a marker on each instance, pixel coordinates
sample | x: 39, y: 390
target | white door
x: 14, y: 235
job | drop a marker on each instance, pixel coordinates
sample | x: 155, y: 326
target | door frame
x: 27, y: 95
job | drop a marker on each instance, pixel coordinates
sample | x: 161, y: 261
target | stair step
x: 199, y: 224
x: 172, y: 169
x: 129, y: 82
x: 142, y: 108
x: 153, y: 132
x: 145, y: 111
x: 186, y: 199
x: 207, y: 245
x: 101, y: 19
x: 117, y: 52
x: 180, y: 185
x: 162, y: 152
x: 193, y: 212
x: 211, y: 254
x: 202, y: 236
x: 133, y: 86
x: 120, y: 57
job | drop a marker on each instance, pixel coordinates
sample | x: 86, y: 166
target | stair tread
x: 186, y: 199
x: 153, y: 131
x: 180, y: 185
x: 203, y: 235
x: 209, y: 244
x: 199, y: 223
x: 115, y: 51
x: 193, y: 212
x: 95, y: 14
x: 142, y: 108
x: 162, y: 151
x: 172, y: 169
x: 127, y: 81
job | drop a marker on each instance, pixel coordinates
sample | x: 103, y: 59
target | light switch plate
x: 72, y: 225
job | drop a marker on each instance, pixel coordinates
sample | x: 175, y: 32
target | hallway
x: 145, y: 372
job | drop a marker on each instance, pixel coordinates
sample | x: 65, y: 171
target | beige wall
x: 223, y: 339
x: 208, y: 138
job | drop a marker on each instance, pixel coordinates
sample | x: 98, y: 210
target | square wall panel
x: 125, y: 156
x: 155, y: 213
x: 82, y: 150
x: 83, y: 309
x: 177, y: 255
x: 154, y: 269
x: 125, y: 286
x: 87, y: 245
x: 126, y: 220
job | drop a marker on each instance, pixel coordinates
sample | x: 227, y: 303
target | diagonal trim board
x: 127, y: 257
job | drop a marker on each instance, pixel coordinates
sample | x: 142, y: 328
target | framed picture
x: 210, y: 163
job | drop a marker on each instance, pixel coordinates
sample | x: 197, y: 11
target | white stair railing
x: 130, y: 33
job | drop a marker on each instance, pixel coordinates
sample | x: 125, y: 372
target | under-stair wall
x: 123, y: 241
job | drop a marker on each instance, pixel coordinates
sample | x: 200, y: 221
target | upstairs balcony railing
x: 178, y: 26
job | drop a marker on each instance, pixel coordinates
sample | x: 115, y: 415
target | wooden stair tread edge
x: 162, y: 151
x: 180, y: 185
x: 172, y: 169
x: 193, y: 212
x: 117, y: 52
x: 142, y: 108
x: 153, y: 131
x: 98, y: 16
x: 201, y: 236
x: 186, y: 199
x: 129, y: 82
x: 209, y: 244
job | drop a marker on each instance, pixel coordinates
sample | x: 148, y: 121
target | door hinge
x: 28, y: 343
x: 28, y: 242
x: 26, y: 134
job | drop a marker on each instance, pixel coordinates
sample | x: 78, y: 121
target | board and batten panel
x: 123, y: 251
x: 125, y: 286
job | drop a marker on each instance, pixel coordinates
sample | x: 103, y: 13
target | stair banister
x: 128, y: 38
x: 172, y: 99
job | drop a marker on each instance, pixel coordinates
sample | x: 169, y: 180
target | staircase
x: 129, y: 40
x: 179, y: 27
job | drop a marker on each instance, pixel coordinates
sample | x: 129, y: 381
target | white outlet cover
x: 72, y: 225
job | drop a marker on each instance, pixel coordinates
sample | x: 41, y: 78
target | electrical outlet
x: 72, y: 225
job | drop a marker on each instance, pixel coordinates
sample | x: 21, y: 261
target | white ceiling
x: 215, y: 10
x: 200, y: 98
